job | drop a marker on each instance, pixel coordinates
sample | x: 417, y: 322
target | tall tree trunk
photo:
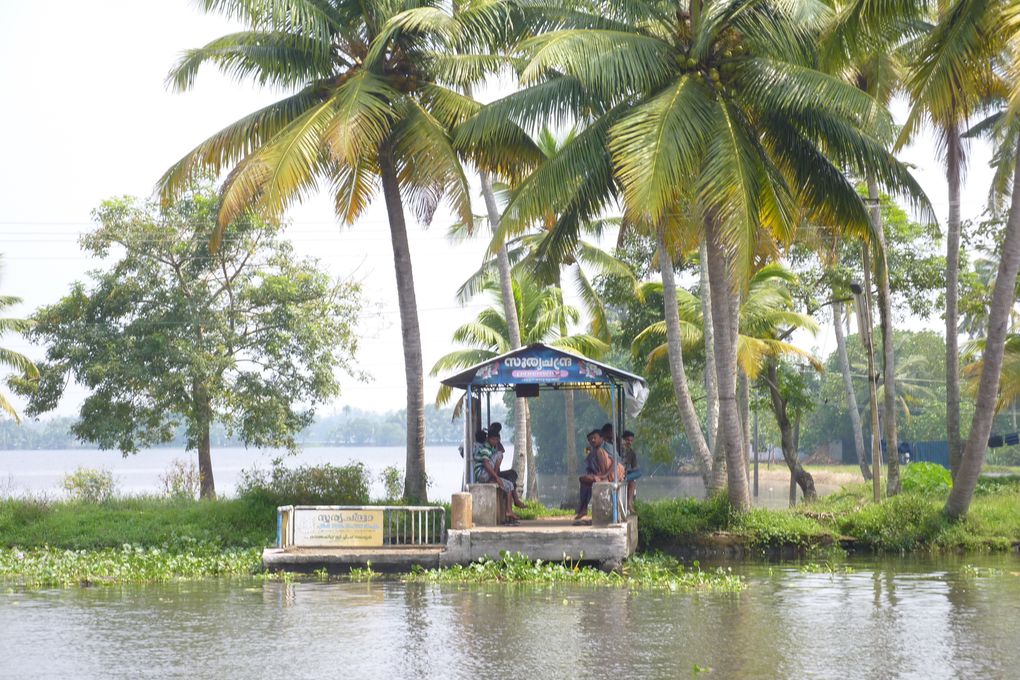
x: 415, y: 484
x: 848, y: 386
x: 521, y: 424
x: 203, y: 423
x: 744, y: 406
x: 788, y: 436
x: 888, y: 353
x: 867, y: 331
x: 954, y: 164
x: 730, y: 436
x: 1003, y: 296
x: 711, y: 379
x: 677, y: 371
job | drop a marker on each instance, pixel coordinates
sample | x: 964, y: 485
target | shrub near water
x: 927, y: 479
x: 307, y: 485
x: 87, y: 485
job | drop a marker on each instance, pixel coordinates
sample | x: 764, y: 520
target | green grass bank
x: 146, y: 539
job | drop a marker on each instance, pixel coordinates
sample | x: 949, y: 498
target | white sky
x: 86, y: 116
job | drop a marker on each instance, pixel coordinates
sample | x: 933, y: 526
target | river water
x: 41, y: 472
x: 927, y: 619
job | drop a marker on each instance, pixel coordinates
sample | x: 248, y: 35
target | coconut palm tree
x: 541, y: 313
x: 767, y: 319
x: 11, y: 359
x: 372, y: 97
x: 718, y: 130
x: 945, y: 94
x: 967, y: 40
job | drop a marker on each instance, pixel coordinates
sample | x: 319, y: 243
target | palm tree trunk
x: 1003, y: 295
x: 677, y: 371
x: 866, y: 330
x: 744, y: 406
x: 513, y: 325
x: 888, y: 353
x: 711, y: 380
x: 954, y: 162
x: 848, y: 385
x: 532, y: 486
x: 726, y: 361
x: 788, y: 437
x: 415, y: 489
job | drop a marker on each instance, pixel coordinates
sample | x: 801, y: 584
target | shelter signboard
x: 541, y: 365
x: 337, y: 528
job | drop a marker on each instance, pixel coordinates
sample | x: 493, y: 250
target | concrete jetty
x: 551, y: 539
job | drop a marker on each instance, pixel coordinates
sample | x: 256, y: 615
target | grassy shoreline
x: 149, y: 539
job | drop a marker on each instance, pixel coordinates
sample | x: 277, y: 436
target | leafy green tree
x: 172, y: 333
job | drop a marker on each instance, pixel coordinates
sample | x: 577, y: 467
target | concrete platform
x: 550, y: 539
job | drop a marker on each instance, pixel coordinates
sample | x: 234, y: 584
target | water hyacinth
x: 641, y: 571
x: 38, y: 567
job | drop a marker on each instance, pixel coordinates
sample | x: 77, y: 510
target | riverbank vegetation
x: 642, y: 571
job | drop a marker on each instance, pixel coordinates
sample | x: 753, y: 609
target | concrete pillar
x: 460, y: 511
x: 602, y: 503
x: 484, y: 505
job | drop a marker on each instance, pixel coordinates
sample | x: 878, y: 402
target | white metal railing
x: 399, y: 525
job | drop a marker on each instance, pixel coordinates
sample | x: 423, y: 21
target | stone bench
x: 602, y: 503
x: 488, y: 505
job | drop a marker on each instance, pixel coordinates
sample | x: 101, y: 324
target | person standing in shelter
x: 599, y: 467
x: 487, y: 459
x: 629, y: 458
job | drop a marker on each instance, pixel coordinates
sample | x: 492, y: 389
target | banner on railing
x: 321, y: 528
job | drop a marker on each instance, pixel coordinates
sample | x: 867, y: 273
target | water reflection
x: 898, y: 618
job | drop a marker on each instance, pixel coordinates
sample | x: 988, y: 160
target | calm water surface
x: 894, y: 619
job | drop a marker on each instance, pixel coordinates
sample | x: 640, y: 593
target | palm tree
x: 767, y: 319
x: 957, y: 51
x: 945, y: 94
x: 374, y: 97
x: 541, y: 313
x: 15, y: 360
x: 718, y: 130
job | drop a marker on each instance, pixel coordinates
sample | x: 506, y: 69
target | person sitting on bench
x: 487, y: 459
x: 599, y: 467
x: 629, y: 457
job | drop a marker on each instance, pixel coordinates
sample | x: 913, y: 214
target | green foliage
x: 764, y: 528
x: 306, y: 485
x: 534, y: 509
x: 672, y: 521
x: 642, y: 571
x: 181, y: 479
x: 88, y: 485
x: 171, y: 524
x: 173, y: 334
x: 392, y: 478
x: 927, y: 479
x: 43, y: 567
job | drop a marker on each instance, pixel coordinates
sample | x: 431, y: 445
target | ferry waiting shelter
x: 528, y: 371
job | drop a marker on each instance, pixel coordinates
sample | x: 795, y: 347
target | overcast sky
x: 86, y: 116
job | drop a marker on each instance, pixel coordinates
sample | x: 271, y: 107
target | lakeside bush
x: 181, y: 480
x: 89, y: 485
x: 927, y: 479
x: 306, y: 485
